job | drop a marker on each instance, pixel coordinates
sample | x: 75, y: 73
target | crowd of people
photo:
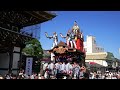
x: 106, y: 75
x: 63, y: 70
x: 58, y: 70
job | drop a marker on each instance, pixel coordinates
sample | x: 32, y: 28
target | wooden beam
x: 33, y: 14
x: 42, y: 13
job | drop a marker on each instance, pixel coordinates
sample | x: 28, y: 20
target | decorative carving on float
x: 60, y: 49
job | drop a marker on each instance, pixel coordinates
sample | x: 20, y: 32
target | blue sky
x: 104, y: 25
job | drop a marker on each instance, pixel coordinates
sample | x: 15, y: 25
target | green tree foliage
x: 33, y: 48
x: 110, y: 56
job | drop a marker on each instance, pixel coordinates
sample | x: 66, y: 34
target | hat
x: 75, y: 22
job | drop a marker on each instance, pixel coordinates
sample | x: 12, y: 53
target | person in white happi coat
x: 55, y: 38
x: 63, y: 67
x: 68, y: 67
x: 67, y: 37
x: 51, y: 67
x: 32, y: 76
x: 57, y: 66
x: 76, y: 70
x: 46, y: 75
x: 45, y: 66
x: 60, y: 67
x: 110, y: 75
x: 72, y: 40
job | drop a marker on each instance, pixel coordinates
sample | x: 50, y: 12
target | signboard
x: 29, y: 61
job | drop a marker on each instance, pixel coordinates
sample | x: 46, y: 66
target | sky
x: 104, y: 25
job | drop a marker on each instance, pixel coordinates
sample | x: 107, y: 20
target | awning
x: 92, y: 63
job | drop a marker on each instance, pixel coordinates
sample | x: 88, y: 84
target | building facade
x: 91, y: 46
x: 96, y: 54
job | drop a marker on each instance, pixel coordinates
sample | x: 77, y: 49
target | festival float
x: 71, y: 50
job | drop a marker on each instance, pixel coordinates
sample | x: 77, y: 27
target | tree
x: 110, y: 56
x: 33, y: 48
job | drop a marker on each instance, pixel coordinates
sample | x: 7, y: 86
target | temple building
x: 12, y: 37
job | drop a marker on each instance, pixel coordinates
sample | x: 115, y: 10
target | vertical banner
x: 29, y: 61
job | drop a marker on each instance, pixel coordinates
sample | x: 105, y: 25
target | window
x: 94, y: 41
x: 98, y: 48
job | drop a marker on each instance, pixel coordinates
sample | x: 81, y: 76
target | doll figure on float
x: 72, y: 40
x: 79, y: 41
x: 75, y: 28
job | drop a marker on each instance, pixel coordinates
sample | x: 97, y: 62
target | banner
x: 29, y: 61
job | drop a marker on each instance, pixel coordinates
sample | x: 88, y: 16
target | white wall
x: 16, y: 58
x: 4, y: 61
x: 91, y: 46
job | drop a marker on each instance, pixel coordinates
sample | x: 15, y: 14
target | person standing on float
x: 72, y: 40
x: 55, y: 42
x: 67, y: 37
x: 54, y: 37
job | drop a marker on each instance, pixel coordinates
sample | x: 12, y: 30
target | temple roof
x: 41, y: 16
x: 11, y: 23
x: 24, y: 18
x: 10, y: 38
